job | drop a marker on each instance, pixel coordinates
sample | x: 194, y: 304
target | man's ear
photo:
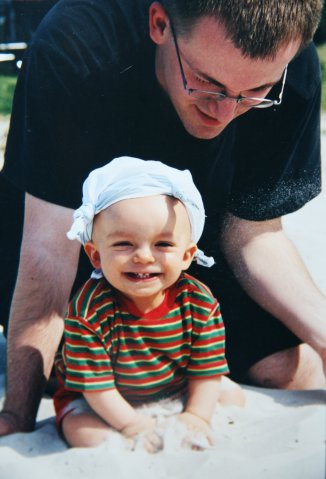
x: 158, y: 21
x: 93, y: 254
x: 189, y: 256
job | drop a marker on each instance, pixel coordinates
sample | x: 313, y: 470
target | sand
x: 278, y: 435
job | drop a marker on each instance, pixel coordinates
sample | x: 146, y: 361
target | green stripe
x: 90, y: 387
x: 89, y: 362
x: 84, y: 374
x: 82, y: 349
x: 217, y: 372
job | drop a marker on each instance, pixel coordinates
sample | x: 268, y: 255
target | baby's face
x: 142, y: 245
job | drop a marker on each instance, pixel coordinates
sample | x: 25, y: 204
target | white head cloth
x: 126, y: 177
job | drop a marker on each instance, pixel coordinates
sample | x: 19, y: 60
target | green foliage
x: 322, y: 57
x: 7, y: 87
x: 320, y: 36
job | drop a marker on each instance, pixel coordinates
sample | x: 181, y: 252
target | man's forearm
x: 30, y: 357
x: 47, y: 269
x: 271, y: 271
x: 35, y: 330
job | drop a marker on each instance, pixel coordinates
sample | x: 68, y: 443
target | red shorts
x: 65, y: 402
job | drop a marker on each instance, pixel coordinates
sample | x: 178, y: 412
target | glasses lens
x: 248, y: 102
x: 206, y: 95
x: 256, y: 102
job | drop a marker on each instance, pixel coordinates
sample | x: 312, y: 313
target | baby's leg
x: 80, y: 425
x: 84, y: 429
x: 231, y: 394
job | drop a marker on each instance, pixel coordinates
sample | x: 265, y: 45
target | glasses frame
x: 217, y: 96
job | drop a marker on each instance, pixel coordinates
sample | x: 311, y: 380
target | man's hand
x: 199, y: 433
x: 9, y: 423
x: 144, y: 428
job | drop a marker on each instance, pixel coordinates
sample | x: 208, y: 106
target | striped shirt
x: 109, y: 344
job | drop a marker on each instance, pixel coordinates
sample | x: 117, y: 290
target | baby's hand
x: 199, y: 433
x: 144, y: 428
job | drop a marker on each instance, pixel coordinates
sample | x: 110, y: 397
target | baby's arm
x: 120, y: 415
x: 112, y: 408
x: 203, y: 395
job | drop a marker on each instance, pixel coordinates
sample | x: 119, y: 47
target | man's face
x: 210, y: 62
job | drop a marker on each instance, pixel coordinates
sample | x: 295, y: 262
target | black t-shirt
x: 87, y: 93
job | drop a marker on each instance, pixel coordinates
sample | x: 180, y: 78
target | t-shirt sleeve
x: 207, y: 358
x: 84, y: 365
x: 41, y: 142
x: 62, y: 106
x: 277, y: 150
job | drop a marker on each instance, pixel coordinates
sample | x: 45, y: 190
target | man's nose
x: 223, y: 111
x: 143, y: 255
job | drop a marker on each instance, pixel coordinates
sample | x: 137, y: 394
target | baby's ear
x: 93, y: 254
x: 189, y: 255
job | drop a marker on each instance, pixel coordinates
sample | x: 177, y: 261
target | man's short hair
x: 257, y: 27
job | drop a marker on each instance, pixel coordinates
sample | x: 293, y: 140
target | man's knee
x: 295, y: 368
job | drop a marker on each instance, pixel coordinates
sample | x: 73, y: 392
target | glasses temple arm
x: 184, y: 80
x: 279, y: 101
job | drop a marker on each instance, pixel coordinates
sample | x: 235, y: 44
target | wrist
x: 197, y: 415
x: 16, y: 423
x: 129, y: 422
x: 141, y: 423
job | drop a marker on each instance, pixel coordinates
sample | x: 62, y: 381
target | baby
x: 140, y: 329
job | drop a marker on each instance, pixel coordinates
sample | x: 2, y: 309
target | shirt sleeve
x: 277, y: 150
x: 62, y: 108
x: 85, y: 364
x: 208, y: 345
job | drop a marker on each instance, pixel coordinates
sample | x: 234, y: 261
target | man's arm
x: 47, y: 269
x: 271, y: 271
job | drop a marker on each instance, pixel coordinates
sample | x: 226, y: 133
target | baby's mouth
x: 142, y: 275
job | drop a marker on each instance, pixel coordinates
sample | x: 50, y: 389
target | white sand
x: 279, y: 434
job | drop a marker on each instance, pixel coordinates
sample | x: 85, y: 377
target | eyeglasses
x: 206, y: 95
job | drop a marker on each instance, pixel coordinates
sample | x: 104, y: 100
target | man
x: 230, y: 90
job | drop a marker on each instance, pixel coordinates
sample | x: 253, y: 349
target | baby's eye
x: 119, y: 245
x: 164, y: 244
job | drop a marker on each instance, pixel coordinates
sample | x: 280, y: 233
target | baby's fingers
x: 153, y: 442
x: 199, y: 441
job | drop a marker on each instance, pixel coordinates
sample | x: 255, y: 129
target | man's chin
x: 204, y: 133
